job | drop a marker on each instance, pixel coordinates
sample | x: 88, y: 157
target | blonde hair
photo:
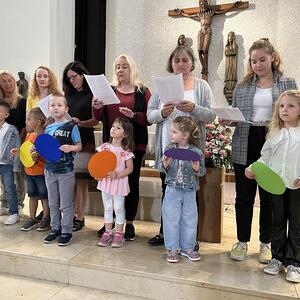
x: 276, y: 123
x: 188, y: 125
x: 16, y: 96
x: 58, y: 95
x: 37, y: 115
x: 53, y: 83
x: 263, y: 43
x: 134, y: 73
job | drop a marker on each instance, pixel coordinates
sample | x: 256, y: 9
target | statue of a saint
x: 231, y: 51
x: 22, y: 84
x: 181, y: 40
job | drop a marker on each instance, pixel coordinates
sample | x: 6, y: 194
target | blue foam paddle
x: 48, y: 147
x: 182, y: 154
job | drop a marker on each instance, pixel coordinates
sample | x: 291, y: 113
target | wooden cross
x: 204, y: 13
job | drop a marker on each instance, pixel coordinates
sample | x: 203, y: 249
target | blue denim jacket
x: 190, y: 177
x: 10, y: 140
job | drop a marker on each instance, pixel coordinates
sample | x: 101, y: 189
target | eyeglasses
x: 73, y: 77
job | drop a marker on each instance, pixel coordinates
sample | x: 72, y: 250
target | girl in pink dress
x: 114, y: 186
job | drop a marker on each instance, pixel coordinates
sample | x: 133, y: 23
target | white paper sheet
x: 229, y: 113
x: 169, y: 89
x: 101, y: 89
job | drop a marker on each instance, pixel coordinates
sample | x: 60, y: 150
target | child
x: 9, y: 139
x: 35, y: 179
x: 115, y: 185
x: 281, y: 152
x: 179, y: 209
x: 59, y: 175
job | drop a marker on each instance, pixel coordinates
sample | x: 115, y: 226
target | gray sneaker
x: 274, y: 267
x: 293, y: 273
x: 29, y: 224
x: 239, y: 251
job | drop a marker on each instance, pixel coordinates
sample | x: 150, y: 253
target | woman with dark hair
x: 79, y: 98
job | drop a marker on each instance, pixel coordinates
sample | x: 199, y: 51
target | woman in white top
x: 281, y: 152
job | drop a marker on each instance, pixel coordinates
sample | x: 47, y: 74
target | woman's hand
x: 297, y: 183
x: 196, y: 165
x: 249, y: 174
x: 167, y: 109
x: 126, y: 112
x: 76, y: 120
x: 186, y: 106
x: 97, y: 103
x: 225, y: 122
x: 48, y: 121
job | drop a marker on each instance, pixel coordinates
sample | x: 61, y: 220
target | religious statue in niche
x: 22, y: 84
x: 205, y: 16
x: 231, y: 52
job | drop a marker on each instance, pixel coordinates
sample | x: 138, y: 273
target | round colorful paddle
x: 268, y: 179
x: 48, y: 147
x: 182, y: 154
x: 25, y: 156
x: 101, y: 163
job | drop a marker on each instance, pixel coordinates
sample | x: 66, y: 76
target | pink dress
x: 120, y: 186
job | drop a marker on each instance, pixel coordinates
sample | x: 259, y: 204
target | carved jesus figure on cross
x: 205, y: 15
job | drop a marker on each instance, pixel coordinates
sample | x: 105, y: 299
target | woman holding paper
x: 196, y: 103
x: 254, y: 96
x: 79, y: 99
x: 134, y: 97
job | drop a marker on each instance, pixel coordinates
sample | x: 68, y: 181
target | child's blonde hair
x: 37, y: 115
x: 188, y: 125
x: 127, y: 142
x: 276, y: 123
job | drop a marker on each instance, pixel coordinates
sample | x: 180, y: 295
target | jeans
x: 180, y: 218
x: 6, y: 171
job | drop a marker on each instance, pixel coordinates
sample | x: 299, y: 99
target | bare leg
x: 46, y: 211
x: 33, y: 204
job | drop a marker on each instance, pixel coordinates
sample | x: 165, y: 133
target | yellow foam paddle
x: 25, y: 156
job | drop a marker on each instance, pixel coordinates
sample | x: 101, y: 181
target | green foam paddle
x: 268, y: 179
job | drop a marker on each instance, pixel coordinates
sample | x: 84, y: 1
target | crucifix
x: 204, y: 13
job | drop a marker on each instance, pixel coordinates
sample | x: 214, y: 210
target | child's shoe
x: 265, y: 254
x: 12, y: 219
x: 172, y: 256
x: 274, y: 267
x: 191, y: 255
x: 118, y: 240
x: 293, y: 274
x: 105, y: 239
x: 29, y: 224
x: 64, y: 239
x: 239, y: 251
x: 43, y: 225
x: 52, y: 236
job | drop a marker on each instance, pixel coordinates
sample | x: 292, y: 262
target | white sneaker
x: 12, y: 219
x: 3, y: 211
x: 265, y: 253
x: 274, y: 267
x: 293, y: 273
x: 239, y: 251
x: 20, y: 211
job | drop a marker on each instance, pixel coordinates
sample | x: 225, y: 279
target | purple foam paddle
x: 182, y: 154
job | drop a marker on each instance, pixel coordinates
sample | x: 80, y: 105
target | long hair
x: 263, y: 43
x: 188, y: 125
x: 276, y: 123
x: 127, y: 142
x: 16, y: 96
x: 53, y: 83
x: 79, y: 68
x: 134, y: 73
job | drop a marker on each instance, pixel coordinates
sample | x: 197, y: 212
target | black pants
x: 246, y: 191
x: 286, y: 227
x: 132, y: 199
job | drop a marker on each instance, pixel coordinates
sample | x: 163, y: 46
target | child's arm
x: 71, y: 148
x: 297, y: 183
x: 128, y: 170
x: 249, y: 174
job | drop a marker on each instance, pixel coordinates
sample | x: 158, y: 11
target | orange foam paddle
x: 101, y: 163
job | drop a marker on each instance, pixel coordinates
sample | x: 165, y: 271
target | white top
x: 281, y: 153
x: 262, y: 105
x: 3, y: 130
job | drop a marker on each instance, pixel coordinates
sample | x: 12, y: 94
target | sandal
x: 78, y: 224
x: 191, y: 255
x: 172, y: 256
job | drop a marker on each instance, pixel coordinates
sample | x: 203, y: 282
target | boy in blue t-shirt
x: 59, y: 175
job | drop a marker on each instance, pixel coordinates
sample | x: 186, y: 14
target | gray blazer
x: 243, y: 99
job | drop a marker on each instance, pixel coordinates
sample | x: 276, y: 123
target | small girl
x: 115, y: 185
x: 179, y: 209
x: 281, y: 152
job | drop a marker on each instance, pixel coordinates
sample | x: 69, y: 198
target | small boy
x: 59, y: 175
x: 9, y: 139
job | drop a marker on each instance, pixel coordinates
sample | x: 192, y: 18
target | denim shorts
x: 36, y: 186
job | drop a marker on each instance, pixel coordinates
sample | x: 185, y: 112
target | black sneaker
x: 156, y: 241
x: 29, y: 224
x: 102, y: 230
x: 43, y: 225
x: 39, y: 217
x: 52, y: 236
x: 129, y: 233
x: 65, y: 239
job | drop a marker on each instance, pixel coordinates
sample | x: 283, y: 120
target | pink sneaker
x: 118, y: 240
x: 105, y: 239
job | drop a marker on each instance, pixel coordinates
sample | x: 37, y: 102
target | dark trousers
x: 246, y: 191
x: 132, y: 199
x: 286, y: 227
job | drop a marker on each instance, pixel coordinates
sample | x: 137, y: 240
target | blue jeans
x: 6, y: 171
x: 180, y: 219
